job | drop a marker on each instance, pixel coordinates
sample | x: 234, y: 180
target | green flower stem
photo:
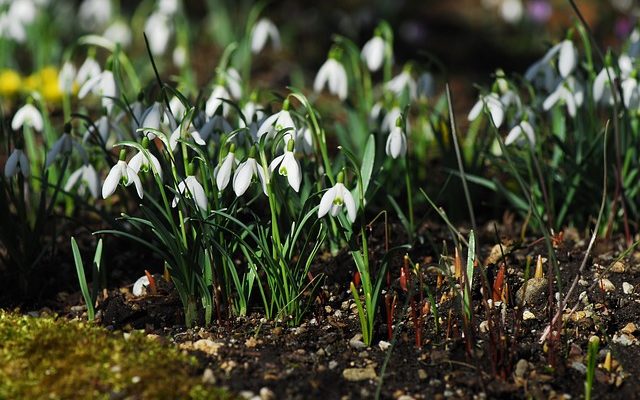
x: 407, y: 179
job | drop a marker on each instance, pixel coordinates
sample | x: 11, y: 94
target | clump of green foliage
x: 57, y: 359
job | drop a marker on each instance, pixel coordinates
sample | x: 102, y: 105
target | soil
x: 496, y: 355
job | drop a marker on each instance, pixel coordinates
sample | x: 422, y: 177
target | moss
x: 58, y: 359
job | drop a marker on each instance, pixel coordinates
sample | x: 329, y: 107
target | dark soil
x: 500, y: 359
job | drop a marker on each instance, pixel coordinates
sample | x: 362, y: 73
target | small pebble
x: 627, y: 288
x: 356, y: 342
x: 618, y: 267
x: 267, y: 394
x: 208, y: 378
x: 384, y: 345
x: 333, y: 364
x: 527, y: 315
x: 606, y: 285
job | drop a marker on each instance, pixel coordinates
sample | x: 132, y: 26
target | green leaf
x: 84, y: 288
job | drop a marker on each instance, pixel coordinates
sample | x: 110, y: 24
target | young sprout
x: 121, y: 173
x: 335, y: 198
x: 288, y: 166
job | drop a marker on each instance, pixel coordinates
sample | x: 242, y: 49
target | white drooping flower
x: 401, y: 83
x: 145, y: 161
x: 159, y: 28
x: 233, y: 81
x: 191, y: 188
x: 390, y: 119
x: 121, y: 173
x: 103, y: 132
x: 103, y: 85
x: 66, y: 77
x: 333, y: 75
x: 493, y: 104
x: 23, y: 11
x: 12, y: 28
x: 288, y: 166
x: 225, y: 169
x: 215, y: 101
x: 396, y: 141
x: 630, y: 93
x: 263, y: 30
x: 89, y: 69
x: 87, y: 178
x: 151, y: 119
x: 373, y: 53
x: 542, y: 71
x: 524, y: 127
x: 179, y: 132
x: 94, y: 14
x: 602, y: 92
x: 118, y: 32
x: 17, y: 163
x: 27, y: 115
x: 335, y: 198
x: 277, y: 122
x: 245, y: 173
x: 64, y: 145
x: 569, y: 92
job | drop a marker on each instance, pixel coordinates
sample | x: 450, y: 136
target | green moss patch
x: 58, y: 359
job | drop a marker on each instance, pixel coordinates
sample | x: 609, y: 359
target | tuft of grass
x: 58, y: 359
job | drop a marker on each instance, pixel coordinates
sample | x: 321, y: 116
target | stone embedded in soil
x: 356, y: 342
x: 623, y: 339
x: 522, y: 366
x: 605, y: 285
x: 208, y: 378
x: 267, y: 394
x: 384, y: 345
x: 532, y: 292
x: 207, y: 346
x: 528, y: 315
x: 629, y: 328
x: 618, y: 267
x: 627, y: 288
x: 359, y: 374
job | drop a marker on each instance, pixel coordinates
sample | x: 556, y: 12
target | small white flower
x: 334, y: 199
x: 288, y: 166
x: 103, y: 85
x: 179, y: 56
x: 17, y: 162
x: 178, y: 109
x: 630, y: 93
x: 396, y: 143
x: 89, y: 69
x: 12, y: 28
x: 570, y: 92
x: 66, y: 77
x: 493, y: 104
x: 141, y: 162
x: 602, y: 86
x: 333, y: 75
x: 511, y: 11
x: 523, y: 127
x: 224, y: 170
x: 121, y: 172
x: 88, y: 178
x: 245, y: 173
x: 233, y: 81
x: 23, y: 11
x: 263, y: 30
x: 118, y: 32
x: 94, y: 14
x: 191, y: 188
x: 27, y: 115
x: 567, y: 62
x: 373, y: 53
x: 568, y: 58
x: 215, y: 100
x: 277, y: 122
x: 151, y: 119
x: 64, y: 145
x: 401, y: 82
x: 104, y: 130
x: 158, y: 28
x: 177, y: 133
x: 390, y: 119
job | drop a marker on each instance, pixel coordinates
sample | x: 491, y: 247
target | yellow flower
x: 49, y: 87
x: 9, y: 82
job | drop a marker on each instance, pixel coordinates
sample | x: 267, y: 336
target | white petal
x: 133, y: 178
x: 322, y: 76
x: 89, y: 86
x: 136, y: 162
x: 242, y: 177
x: 112, y: 180
x: 224, y: 173
x: 350, y: 204
x: 91, y: 177
x: 514, y: 134
x: 73, y: 179
x: 326, y: 202
x: 476, y: 110
x: 528, y: 130
x: 198, y: 193
x: 24, y: 165
x: 276, y: 161
x: 551, y: 100
x: 599, y: 84
x: 567, y: 59
x: 294, y: 172
x: 373, y: 53
x: 496, y: 111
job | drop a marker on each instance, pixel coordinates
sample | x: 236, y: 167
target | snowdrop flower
x: 215, y: 101
x: 251, y: 111
x: 401, y: 82
x: 66, y: 77
x: 27, y: 115
x: 17, y: 162
x: 118, y: 32
x: 568, y: 58
x: 180, y: 56
x: 390, y: 119
x: 234, y: 83
x: 396, y: 141
x: 158, y: 29
x: 570, y: 92
x: 181, y: 131
x: 64, y: 145
x: 335, y: 198
x: 263, y: 30
x: 630, y: 93
x: 191, y: 188
x: 103, y: 127
x: 567, y: 62
x: 511, y: 11
x: 12, y: 28
x: 333, y: 75
x: 493, y: 104
x: 144, y: 160
x: 121, y: 173
x: 277, y: 122
x: 524, y: 127
x: 426, y: 86
x: 245, y: 173
x: 87, y: 177
x: 214, y: 127
x: 23, y: 11
x: 178, y: 109
x: 103, y: 85
x: 288, y: 166
x: 94, y: 13
x: 151, y: 119
x: 225, y: 168
x: 168, y: 7
x: 602, y: 86
x: 89, y: 69
x: 373, y: 53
